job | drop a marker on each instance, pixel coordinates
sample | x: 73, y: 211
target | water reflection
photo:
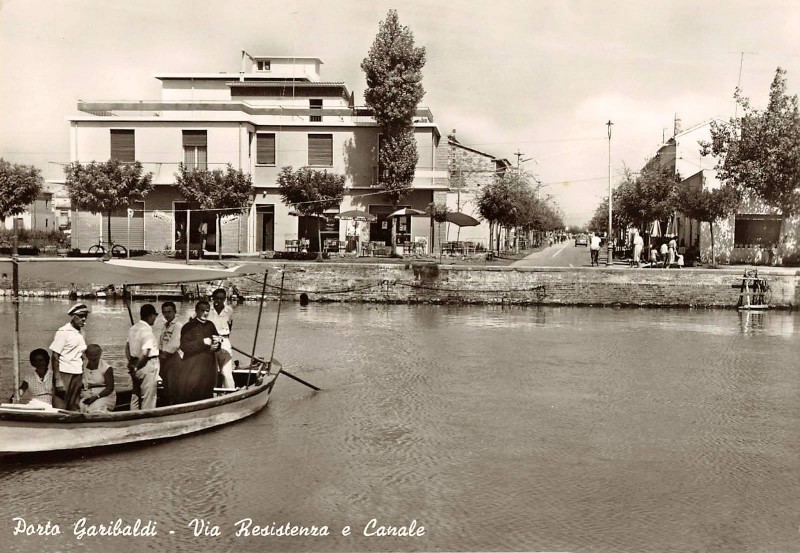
x: 496, y: 428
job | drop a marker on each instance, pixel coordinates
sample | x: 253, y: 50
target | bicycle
x: 117, y: 250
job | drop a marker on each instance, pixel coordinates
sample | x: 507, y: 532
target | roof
x: 282, y: 83
x: 119, y: 271
x: 312, y: 58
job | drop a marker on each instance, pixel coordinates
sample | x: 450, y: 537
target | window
x: 263, y: 65
x: 320, y: 150
x: 756, y: 230
x: 265, y: 149
x: 315, y: 103
x: 123, y: 145
x: 195, y: 149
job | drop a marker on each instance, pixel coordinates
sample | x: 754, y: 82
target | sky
x: 537, y: 77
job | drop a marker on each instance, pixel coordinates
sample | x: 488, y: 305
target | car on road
x: 581, y: 240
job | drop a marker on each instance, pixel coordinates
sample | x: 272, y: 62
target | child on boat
x: 37, y: 387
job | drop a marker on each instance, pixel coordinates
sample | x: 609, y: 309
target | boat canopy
x: 117, y: 271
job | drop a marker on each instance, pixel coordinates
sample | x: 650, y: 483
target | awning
x: 117, y: 271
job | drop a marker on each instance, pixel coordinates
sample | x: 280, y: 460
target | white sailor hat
x: 78, y: 309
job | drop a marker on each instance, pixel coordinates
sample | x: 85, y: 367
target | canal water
x: 516, y: 429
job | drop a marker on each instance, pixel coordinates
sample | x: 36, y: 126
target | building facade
x: 748, y: 235
x: 40, y: 215
x: 276, y: 112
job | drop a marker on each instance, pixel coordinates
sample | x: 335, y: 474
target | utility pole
x: 519, y: 156
x: 609, y: 262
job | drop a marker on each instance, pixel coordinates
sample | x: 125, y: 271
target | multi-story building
x: 746, y: 236
x: 275, y: 112
x: 39, y: 215
x: 470, y: 169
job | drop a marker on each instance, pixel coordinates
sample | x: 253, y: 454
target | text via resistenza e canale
x: 84, y: 528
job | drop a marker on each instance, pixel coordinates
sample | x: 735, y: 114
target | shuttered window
x: 265, y: 149
x: 320, y: 150
x: 315, y: 103
x: 123, y: 145
x: 195, y: 149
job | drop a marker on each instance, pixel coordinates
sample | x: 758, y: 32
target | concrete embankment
x: 424, y: 282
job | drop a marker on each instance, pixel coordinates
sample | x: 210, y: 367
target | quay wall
x: 425, y: 282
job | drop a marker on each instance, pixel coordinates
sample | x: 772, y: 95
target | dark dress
x: 195, y: 376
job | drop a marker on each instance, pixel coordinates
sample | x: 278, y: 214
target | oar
x: 283, y: 371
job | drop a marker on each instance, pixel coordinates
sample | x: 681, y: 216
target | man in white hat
x: 68, y: 347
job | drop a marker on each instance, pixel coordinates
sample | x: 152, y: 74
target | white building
x: 275, y: 112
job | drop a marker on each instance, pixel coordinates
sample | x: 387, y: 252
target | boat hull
x: 39, y: 431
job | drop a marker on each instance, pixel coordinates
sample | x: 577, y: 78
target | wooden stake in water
x: 258, y: 323
x: 15, y: 300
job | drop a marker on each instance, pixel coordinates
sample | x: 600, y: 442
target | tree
x: 215, y: 190
x: 311, y: 192
x: 438, y: 213
x: 760, y: 152
x: 707, y: 205
x: 106, y: 186
x: 19, y: 187
x: 393, y: 70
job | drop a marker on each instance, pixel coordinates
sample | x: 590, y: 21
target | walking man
x: 222, y: 317
x: 594, y: 249
x: 142, y: 353
x: 68, y: 348
x: 638, y: 246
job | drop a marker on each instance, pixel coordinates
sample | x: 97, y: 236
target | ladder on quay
x: 754, y: 291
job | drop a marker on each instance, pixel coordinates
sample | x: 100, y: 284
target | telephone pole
x: 609, y: 262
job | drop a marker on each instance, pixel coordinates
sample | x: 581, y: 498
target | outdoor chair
x: 292, y: 245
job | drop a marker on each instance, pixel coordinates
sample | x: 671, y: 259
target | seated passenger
x: 37, y: 387
x: 98, y: 392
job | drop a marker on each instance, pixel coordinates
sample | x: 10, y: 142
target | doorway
x: 265, y: 228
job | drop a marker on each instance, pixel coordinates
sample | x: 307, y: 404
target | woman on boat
x: 98, y: 394
x: 195, y: 376
x: 39, y: 383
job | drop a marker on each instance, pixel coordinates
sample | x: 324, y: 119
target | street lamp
x: 610, y: 228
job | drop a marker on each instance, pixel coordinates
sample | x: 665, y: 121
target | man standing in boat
x: 142, y: 353
x: 68, y: 347
x: 222, y: 317
x: 169, y: 341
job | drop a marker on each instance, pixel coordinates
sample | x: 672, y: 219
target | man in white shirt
x: 594, y: 249
x: 68, y: 347
x: 222, y: 317
x: 142, y: 353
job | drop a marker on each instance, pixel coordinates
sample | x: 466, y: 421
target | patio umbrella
x: 406, y: 212
x: 357, y: 215
x: 655, y: 229
x: 461, y: 219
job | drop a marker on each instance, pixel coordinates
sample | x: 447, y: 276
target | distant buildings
x: 276, y: 112
x: 746, y: 236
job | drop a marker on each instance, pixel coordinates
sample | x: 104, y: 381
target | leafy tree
x: 311, y: 192
x: 760, y: 152
x: 215, y: 189
x: 19, y: 187
x: 106, y: 186
x: 707, y: 205
x: 649, y: 196
x: 393, y: 70
x: 438, y: 213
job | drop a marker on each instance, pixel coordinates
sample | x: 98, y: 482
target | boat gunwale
x: 75, y: 417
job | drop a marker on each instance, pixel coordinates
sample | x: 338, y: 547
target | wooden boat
x: 24, y: 429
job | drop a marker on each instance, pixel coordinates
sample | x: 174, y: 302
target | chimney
x: 677, y: 125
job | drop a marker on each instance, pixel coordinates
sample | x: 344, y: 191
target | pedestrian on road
x: 638, y: 246
x: 673, y: 251
x: 664, y: 254
x: 594, y: 249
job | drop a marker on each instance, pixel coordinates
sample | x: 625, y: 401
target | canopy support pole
x: 127, y: 303
x: 258, y: 323
x: 188, y: 231
x: 278, y: 317
x: 15, y: 300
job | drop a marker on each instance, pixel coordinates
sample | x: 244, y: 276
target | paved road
x: 564, y: 254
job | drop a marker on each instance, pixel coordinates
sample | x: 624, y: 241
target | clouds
x: 539, y: 76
